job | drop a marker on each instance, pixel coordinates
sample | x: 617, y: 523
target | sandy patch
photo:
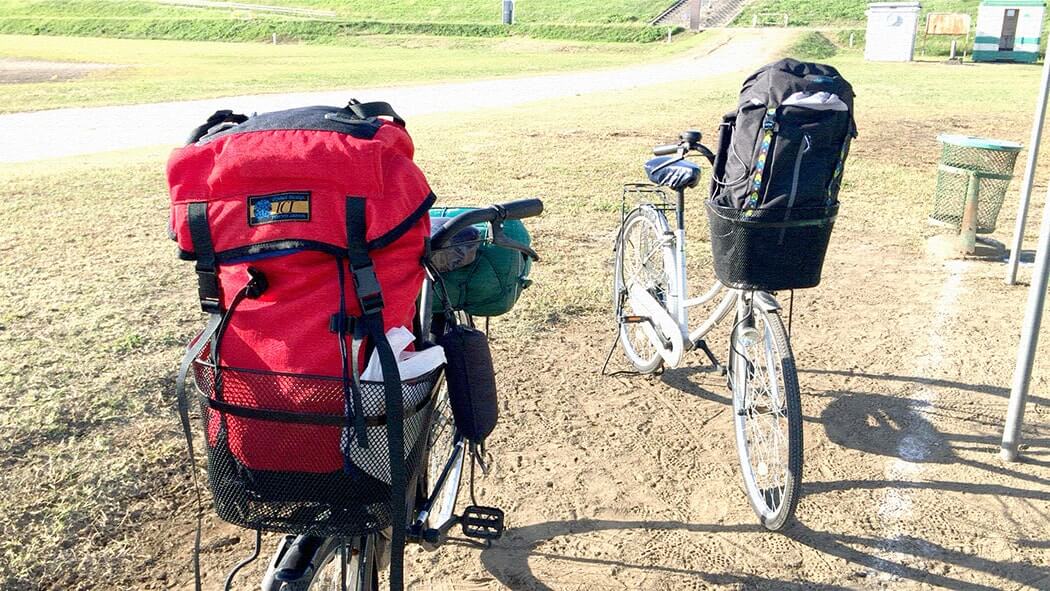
x: 19, y: 71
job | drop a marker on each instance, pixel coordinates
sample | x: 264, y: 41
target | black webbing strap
x: 373, y: 109
x: 370, y: 299
x: 216, y: 118
x: 207, y: 272
x: 353, y: 407
x: 302, y: 418
x: 195, y: 348
x: 216, y: 322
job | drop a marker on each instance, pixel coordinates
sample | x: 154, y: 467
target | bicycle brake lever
x: 500, y: 239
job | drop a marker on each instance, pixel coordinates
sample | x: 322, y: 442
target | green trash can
x: 977, y: 169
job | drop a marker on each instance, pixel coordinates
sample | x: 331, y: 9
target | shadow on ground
x: 508, y: 560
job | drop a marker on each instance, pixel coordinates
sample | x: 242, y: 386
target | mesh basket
x: 985, y: 166
x: 770, y: 249
x: 275, y: 467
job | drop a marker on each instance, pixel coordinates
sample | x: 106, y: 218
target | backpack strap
x: 370, y: 299
x: 836, y: 177
x: 211, y: 302
x: 206, y: 267
x: 769, y: 125
x: 374, y: 109
x: 194, y: 349
x: 217, y: 118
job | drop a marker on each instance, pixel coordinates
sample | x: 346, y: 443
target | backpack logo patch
x: 279, y: 207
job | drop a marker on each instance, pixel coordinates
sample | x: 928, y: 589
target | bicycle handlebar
x: 690, y: 143
x: 666, y: 150
x: 512, y: 210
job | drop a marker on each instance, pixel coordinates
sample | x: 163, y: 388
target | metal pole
x: 508, y: 12
x: 968, y: 234
x: 1033, y: 317
x: 1029, y: 176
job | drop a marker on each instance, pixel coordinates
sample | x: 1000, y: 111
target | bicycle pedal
x: 484, y: 523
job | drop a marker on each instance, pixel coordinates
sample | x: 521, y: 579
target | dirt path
x: 16, y: 71
x: 632, y: 483
x: 610, y: 483
x: 68, y: 132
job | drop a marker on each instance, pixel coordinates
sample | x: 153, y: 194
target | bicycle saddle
x: 680, y: 175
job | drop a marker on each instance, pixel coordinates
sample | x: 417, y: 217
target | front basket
x: 280, y: 458
x: 770, y: 249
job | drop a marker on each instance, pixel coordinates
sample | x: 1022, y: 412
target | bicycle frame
x: 452, y: 473
x: 679, y: 303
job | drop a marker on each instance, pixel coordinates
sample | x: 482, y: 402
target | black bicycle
x: 314, y: 563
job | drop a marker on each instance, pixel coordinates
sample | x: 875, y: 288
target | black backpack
x: 787, y: 142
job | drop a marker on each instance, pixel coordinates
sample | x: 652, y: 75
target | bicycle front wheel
x: 350, y: 566
x: 767, y: 414
x: 644, y: 256
x: 441, y: 441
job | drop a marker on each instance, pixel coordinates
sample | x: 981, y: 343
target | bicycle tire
x: 329, y: 576
x: 774, y: 505
x: 440, y: 443
x: 652, y: 229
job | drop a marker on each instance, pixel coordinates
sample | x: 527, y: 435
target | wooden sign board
x: 947, y: 23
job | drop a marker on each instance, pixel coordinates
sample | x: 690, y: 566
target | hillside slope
x: 434, y: 11
x: 582, y: 20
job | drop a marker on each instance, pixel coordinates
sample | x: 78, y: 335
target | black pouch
x: 471, y: 381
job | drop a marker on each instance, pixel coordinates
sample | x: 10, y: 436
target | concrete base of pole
x: 946, y: 247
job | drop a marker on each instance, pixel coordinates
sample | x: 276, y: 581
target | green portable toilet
x: 1008, y: 31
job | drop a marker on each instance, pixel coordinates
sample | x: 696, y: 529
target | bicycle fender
x: 766, y: 302
x: 646, y: 305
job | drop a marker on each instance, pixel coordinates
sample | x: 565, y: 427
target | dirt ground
x: 632, y: 482
x: 614, y: 482
x: 14, y: 71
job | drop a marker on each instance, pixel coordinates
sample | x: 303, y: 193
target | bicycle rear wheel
x: 767, y: 414
x: 643, y: 256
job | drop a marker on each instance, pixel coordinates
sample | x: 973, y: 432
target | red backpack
x: 307, y: 228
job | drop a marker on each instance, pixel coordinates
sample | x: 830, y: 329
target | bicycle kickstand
x: 702, y: 345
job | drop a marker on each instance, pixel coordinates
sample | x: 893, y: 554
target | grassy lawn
x: 526, y: 11
x: 439, y: 11
x: 587, y: 20
x: 94, y: 306
x: 150, y: 71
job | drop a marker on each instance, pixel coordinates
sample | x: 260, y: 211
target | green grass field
x: 589, y: 20
x: 148, y: 71
x: 94, y: 306
x: 437, y: 11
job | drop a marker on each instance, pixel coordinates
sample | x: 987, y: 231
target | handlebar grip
x: 665, y: 150
x: 523, y: 208
x: 513, y: 210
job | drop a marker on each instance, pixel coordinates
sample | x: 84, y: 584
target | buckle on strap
x: 369, y: 293
x: 208, y: 291
x: 770, y: 120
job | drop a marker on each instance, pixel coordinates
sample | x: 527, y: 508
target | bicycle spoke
x: 765, y: 418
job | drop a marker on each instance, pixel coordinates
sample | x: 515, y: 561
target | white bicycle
x: 652, y: 304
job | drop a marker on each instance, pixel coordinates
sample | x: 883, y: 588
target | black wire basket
x: 273, y: 465
x: 770, y: 249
